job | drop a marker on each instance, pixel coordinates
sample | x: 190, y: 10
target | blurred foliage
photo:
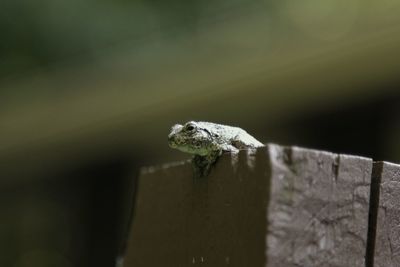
x: 38, y: 34
x: 41, y: 33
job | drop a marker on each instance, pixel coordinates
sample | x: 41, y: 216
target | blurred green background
x: 89, y: 90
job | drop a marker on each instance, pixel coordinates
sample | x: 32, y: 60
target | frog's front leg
x: 202, y: 164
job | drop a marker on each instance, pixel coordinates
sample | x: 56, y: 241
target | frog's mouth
x: 187, y: 146
x: 172, y: 144
x: 189, y: 149
x: 172, y: 141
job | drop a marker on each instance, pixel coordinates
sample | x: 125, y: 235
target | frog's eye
x: 190, y: 128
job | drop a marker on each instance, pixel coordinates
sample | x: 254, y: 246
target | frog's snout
x: 171, y: 140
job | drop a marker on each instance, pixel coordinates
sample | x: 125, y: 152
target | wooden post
x: 318, y: 209
x: 274, y: 206
x: 214, y: 221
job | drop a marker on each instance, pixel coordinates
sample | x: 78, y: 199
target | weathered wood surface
x: 318, y: 208
x: 387, y: 241
x: 275, y: 206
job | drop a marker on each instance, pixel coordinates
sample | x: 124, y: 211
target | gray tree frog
x: 207, y: 141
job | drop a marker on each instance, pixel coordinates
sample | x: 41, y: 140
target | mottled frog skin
x: 207, y: 141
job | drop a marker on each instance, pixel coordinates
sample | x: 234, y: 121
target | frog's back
x: 231, y: 135
x: 222, y: 130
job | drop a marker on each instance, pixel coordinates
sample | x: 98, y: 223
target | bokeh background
x: 89, y: 90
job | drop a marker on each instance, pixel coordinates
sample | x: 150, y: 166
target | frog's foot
x: 202, y: 164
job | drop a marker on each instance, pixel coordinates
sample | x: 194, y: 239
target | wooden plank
x: 216, y: 221
x: 387, y: 243
x: 318, y: 210
x: 275, y: 206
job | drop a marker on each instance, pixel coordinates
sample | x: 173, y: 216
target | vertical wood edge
x: 385, y: 220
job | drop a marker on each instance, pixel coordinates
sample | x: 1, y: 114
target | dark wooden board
x: 214, y: 221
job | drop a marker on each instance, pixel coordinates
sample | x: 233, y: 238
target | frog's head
x: 192, y: 138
